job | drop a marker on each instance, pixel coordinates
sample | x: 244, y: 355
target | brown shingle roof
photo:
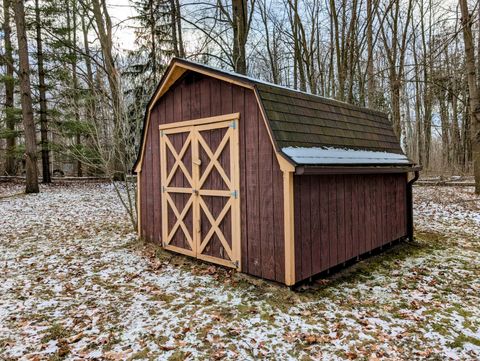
x: 305, y: 120
x: 299, y: 119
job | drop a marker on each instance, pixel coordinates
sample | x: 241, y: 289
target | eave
x: 355, y: 169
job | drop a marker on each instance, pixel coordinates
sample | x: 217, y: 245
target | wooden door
x: 200, y: 189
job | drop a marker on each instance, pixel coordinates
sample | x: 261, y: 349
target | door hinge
x: 163, y: 189
x: 233, y: 125
x: 161, y: 133
x: 235, y: 194
x: 236, y: 263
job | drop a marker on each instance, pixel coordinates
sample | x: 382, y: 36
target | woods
x: 73, y: 96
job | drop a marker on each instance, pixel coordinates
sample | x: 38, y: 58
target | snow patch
x: 330, y: 155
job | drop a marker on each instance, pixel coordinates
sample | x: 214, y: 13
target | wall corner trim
x: 139, y: 214
x: 288, y: 218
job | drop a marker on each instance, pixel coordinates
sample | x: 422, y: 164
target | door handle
x: 197, y: 162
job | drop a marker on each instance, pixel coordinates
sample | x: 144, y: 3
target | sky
x: 122, y: 14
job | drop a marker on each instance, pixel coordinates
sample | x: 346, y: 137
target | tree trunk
x: 445, y: 123
x: 72, y: 39
x: 395, y: 93
x: 239, y: 18
x: 268, y: 44
x: 351, y: 49
x: 10, y: 163
x: 91, y: 104
x: 178, y: 24
x: 335, y: 39
x: 153, y: 39
x: 26, y: 100
x: 42, y: 90
x: 473, y: 90
x: 104, y: 28
x: 370, y: 70
x: 173, y: 24
x: 455, y: 130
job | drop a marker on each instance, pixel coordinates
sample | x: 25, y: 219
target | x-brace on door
x: 200, y: 188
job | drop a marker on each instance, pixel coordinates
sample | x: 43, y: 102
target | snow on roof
x: 329, y: 155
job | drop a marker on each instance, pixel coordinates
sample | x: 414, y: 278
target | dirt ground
x: 75, y: 283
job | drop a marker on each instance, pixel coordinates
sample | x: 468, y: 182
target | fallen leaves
x: 311, y: 339
x: 68, y: 260
x: 117, y: 356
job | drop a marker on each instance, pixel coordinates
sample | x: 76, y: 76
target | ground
x: 76, y: 284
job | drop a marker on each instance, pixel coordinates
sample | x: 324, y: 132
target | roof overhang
x: 354, y: 169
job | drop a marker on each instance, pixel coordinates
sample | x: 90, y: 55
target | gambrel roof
x: 308, y: 129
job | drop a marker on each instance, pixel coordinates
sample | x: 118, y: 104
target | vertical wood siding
x: 339, y: 217
x: 261, y: 182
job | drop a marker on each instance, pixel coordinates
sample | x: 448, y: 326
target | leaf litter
x: 76, y: 284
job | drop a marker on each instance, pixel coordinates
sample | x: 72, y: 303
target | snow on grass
x: 8, y: 189
x: 75, y: 284
x: 448, y: 210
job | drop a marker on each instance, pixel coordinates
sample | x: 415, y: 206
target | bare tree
x: 26, y: 99
x: 104, y: 28
x: 177, y: 36
x: 370, y: 67
x: 240, y: 32
x: 395, y: 45
x: 472, y: 89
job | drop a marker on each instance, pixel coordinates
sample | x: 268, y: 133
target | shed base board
x: 335, y: 271
x: 349, y: 265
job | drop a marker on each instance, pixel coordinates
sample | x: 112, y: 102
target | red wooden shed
x: 274, y: 182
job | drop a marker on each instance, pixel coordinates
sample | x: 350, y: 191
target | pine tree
x: 42, y: 88
x: 11, y: 113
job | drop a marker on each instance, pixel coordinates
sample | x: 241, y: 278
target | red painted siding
x: 339, y: 217
x: 261, y: 186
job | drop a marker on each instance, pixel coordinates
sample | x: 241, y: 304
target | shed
x: 274, y: 182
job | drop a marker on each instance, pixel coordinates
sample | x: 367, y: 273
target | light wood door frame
x: 167, y: 201
x: 195, y: 140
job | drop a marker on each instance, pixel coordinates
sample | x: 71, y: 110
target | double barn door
x: 200, y: 189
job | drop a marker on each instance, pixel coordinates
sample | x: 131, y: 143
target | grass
x: 147, y: 303
x: 462, y: 339
x: 55, y: 332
